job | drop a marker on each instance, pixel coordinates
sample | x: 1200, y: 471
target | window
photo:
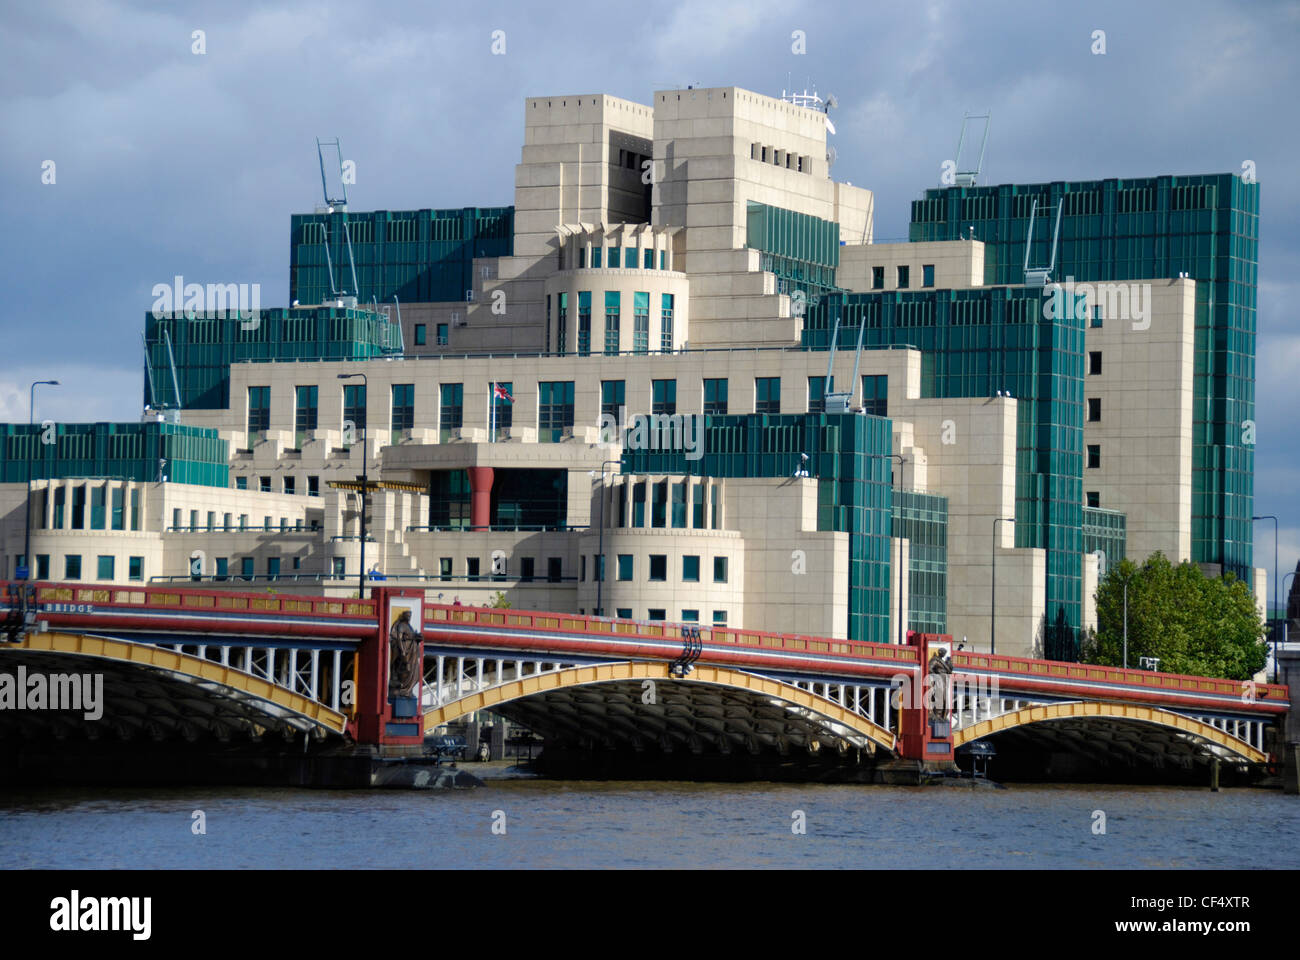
x: 59, y: 496
x: 641, y: 323
x: 648, y: 260
x: 241, y: 483
x: 119, y: 508
x: 663, y: 396
x: 875, y: 395
x: 135, y: 568
x: 246, y: 568
x: 629, y: 258
x: 625, y: 566
x: 444, y: 568
x: 562, y: 307
x: 690, y: 569
x: 903, y: 282
x: 690, y: 616
x: 1094, y: 362
x: 97, y: 499
x: 658, y: 567
x: 584, y: 321
x: 638, y: 504
x: 1096, y: 317
x: 354, y: 409
x: 421, y: 337
x: 42, y: 566
x: 613, y: 329
x: 554, y: 410
x: 719, y: 569
x: 719, y: 618
x: 715, y: 514
x: 340, y: 567
x: 104, y: 568
x: 662, y: 254
x: 657, y: 613
x: 767, y: 395
x: 816, y: 394
x: 259, y: 409
x: 715, y: 396
x: 135, y: 509
x: 877, y: 278
x: 304, y: 412
x: 313, y: 486
x: 471, y: 568
x: 442, y: 334
x: 264, y: 484
x: 223, y: 567
x: 613, y: 396
x: 582, y: 568
x: 623, y: 613
x: 927, y: 275
x: 451, y: 409
x: 290, y: 485
x: 403, y: 403
x: 554, y: 569
x: 1094, y: 456
x: 176, y: 518
x: 194, y: 520
x: 272, y: 566
x: 526, y: 569
x: 679, y: 504
x: 1094, y: 498
x: 226, y: 522
x: 666, y: 323
x: 79, y: 507
x: 659, y: 504
x: 1094, y: 409
x: 595, y: 258
x: 212, y: 521
x: 697, y: 507
x: 503, y: 410
x: 72, y: 566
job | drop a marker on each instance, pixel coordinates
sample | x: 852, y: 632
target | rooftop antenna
x: 838, y: 401
x: 171, y: 359
x: 337, y: 204
x: 148, y: 370
x: 968, y: 178
x: 1040, y: 276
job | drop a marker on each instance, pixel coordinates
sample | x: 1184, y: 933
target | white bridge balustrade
x: 451, y: 678
x: 324, y: 676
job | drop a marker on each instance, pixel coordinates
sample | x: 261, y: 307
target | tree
x: 1206, y: 626
x: 500, y: 602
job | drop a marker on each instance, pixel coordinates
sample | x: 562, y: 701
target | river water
x: 569, y: 824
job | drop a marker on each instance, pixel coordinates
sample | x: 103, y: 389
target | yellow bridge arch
x: 612, y: 672
x: 1093, y: 709
x: 186, y: 666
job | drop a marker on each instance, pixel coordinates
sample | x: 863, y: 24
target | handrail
x: 161, y: 596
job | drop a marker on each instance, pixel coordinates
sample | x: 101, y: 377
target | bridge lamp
x: 1274, y: 519
x: 365, y: 479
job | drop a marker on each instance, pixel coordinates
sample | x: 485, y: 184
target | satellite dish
x: 830, y: 127
x: 830, y: 156
x: 831, y: 102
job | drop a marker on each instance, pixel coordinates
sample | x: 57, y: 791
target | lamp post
x: 365, y: 477
x: 1274, y: 519
x: 600, y: 557
x: 1286, y: 618
x: 27, y: 500
x: 1126, y: 580
x: 993, y: 585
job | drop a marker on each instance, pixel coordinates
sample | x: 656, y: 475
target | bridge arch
x: 1100, y: 710
x: 815, y: 715
x: 233, y: 694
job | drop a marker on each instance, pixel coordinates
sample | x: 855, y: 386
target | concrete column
x: 480, y: 509
x: 1288, y: 740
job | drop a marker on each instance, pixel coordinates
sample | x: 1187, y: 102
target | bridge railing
x: 194, y: 601
x: 1092, y: 673
x: 561, y: 623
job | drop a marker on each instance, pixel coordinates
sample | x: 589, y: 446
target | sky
x: 175, y: 154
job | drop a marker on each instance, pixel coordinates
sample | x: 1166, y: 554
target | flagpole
x: 492, y: 413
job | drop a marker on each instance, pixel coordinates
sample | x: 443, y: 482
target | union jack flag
x: 501, y: 393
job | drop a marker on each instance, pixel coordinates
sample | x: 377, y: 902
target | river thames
x: 581, y: 824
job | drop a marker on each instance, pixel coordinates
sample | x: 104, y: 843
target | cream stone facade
x: 636, y: 215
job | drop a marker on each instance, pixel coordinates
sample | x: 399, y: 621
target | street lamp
x: 902, y: 624
x: 31, y: 412
x: 1274, y: 519
x: 1126, y: 580
x: 993, y: 595
x: 365, y: 478
x: 600, y: 558
x: 1286, y: 615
